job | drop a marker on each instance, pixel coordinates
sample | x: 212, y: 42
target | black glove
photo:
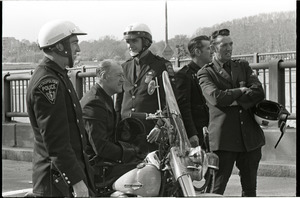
x: 129, y: 152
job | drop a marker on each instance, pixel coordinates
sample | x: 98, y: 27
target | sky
x: 23, y: 19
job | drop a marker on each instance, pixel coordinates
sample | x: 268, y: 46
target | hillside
x: 274, y: 32
x: 264, y: 33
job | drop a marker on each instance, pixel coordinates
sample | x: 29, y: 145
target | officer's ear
x: 198, y: 51
x: 105, y: 76
x: 60, y: 47
x: 101, y: 75
x: 212, y: 48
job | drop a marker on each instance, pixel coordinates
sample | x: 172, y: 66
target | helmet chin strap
x: 145, y: 47
x: 66, y: 52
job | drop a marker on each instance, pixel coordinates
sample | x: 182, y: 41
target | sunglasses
x: 222, y: 32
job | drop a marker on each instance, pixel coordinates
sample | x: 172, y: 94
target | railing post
x: 6, y: 102
x: 177, y: 62
x: 83, y: 69
x: 77, y: 83
x: 276, y: 82
x: 255, y: 58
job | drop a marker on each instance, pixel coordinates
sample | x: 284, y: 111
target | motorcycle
x: 175, y: 169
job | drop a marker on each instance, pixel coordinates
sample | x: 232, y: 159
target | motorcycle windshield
x: 181, y: 139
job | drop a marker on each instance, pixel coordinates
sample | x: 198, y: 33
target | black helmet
x: 132, y: 131
x: 268, y: 113
x: 129, y: 129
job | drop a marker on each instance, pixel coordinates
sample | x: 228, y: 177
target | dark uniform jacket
x: 232, y: 128
x: 100, y: 118
x: 135, y: 97
x: 59, y: 135
x: 100, y: 122
x: 190, y: 100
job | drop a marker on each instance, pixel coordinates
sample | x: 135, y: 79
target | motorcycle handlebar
x: 206, y: 138
x: 145, y: 116
x: 139, y: 115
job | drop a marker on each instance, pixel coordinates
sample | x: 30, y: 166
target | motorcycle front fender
x: 180, y: 173
x: 186, y: 185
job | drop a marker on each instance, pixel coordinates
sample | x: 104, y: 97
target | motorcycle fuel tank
x: 145, y: 180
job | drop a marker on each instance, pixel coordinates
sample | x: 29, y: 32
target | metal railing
x: 251, y: 58
x: 277, y: 76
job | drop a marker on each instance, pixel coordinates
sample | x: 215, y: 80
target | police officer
x: 139, y: 70
x: 60, y: 166
x: 190, y: 100
x: 231, y: 89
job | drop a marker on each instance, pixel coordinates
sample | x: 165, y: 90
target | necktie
x: 137, y: 69
x: 227, y: 68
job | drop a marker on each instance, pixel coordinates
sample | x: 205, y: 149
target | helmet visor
x: 77, y: 31
x: 137, y: 34
x: 128, y: 35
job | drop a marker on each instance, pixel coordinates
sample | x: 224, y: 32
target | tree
x: 273, y: 32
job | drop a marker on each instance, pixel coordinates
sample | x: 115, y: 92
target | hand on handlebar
x: 153, y: 135
x: 194, y: 140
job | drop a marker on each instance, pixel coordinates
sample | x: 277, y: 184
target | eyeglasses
x: 222, y: 32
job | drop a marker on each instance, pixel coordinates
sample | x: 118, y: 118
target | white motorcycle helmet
x: 55, y: 31
x: 270, y: 114
x: 138, y: 30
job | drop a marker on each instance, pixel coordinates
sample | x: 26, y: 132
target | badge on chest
x: 149, y: 76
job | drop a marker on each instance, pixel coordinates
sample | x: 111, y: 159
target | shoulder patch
x: 48, y: 88
x: 170, y: 69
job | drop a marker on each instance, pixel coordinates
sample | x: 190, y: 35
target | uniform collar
x: 143, y: 58
x: 194, y: 66
x: 102, y: 91
x: 220, y: 70
x: 219, y: 63
x: 54, y: 66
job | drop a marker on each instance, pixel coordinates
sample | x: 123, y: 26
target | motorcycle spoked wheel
x: 208, y: 186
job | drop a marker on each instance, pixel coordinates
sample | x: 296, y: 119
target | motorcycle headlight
x: 212, y: 161
x: 197, y: 155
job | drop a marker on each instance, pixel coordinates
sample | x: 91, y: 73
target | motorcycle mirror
x: 151, y: 87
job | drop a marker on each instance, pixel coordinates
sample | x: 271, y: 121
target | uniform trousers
x: 246, y: 162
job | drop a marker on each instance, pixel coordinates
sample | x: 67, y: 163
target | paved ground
x: 16, y: 181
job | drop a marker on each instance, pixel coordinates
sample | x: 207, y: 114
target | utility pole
x: 166, y: 23
x: 167, y: 52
